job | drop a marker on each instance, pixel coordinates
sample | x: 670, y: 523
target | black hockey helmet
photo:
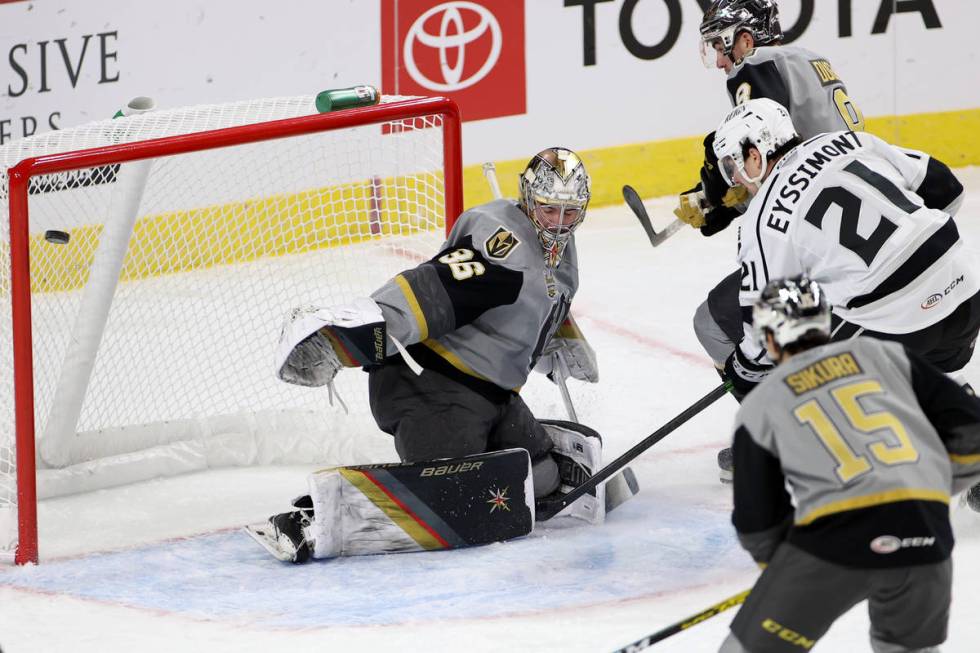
x: 790, y: 309
x: 724, y: 20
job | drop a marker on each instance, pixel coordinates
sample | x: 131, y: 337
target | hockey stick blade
x: 621, y: 488
x: 545, y: 510
x: 633, y: 201
x: 683, y: 625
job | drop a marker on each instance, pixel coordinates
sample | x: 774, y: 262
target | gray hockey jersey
x: 483, y: 309
x: 851, y: 452
x: 852, y: 212
x: 800, y: 80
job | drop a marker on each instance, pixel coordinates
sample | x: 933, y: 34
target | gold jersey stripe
x: 452, y: 358
x: 397, y: 513
x: 413, y: 304
x: 457, y: 362
x: 877, y: 499
x: 965, y: 459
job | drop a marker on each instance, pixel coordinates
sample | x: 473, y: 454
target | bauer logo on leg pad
x: 451, y: 468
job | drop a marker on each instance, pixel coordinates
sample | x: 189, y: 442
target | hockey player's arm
x: 928, y: 177
x: 763, y: 512
x: 449, y: 291
x: 749, y: 364
x: 940, y: 189
x: 955, y: 414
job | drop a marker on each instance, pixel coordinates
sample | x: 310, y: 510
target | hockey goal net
x: 143, y: 346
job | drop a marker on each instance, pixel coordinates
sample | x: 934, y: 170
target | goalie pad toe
x: 578, y: 452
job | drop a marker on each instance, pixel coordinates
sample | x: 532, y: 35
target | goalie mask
x: 555, y: 192
x: 763, y: 124
x: 790, y: 309
x: 724, y: 20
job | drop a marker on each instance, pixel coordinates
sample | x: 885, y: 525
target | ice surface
x: 159, y: 566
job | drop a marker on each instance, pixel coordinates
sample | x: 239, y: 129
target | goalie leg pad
x: 578, y: 452
x: 433, y: 505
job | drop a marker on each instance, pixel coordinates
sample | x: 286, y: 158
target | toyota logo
x: 452, y: 36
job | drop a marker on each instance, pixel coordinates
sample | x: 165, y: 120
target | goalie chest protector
x: 442, y: 504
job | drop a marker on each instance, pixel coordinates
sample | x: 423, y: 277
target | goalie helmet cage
x: 143, y: 345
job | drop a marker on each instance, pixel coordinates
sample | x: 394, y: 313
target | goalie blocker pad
x: 433, y: 505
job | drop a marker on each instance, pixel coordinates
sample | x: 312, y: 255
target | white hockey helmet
x: 764, y: 124
x: 555, y: 192
x: 790, y: 309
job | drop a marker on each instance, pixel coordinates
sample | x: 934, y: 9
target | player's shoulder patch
x: 743, y: 93
x: 500, y: 244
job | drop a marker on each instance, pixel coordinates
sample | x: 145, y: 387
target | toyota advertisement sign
x: 526, y: 74
x: 471, y: 51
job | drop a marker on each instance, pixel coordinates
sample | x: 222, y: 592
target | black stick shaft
x: 550, y: 509
x: 693, y: 620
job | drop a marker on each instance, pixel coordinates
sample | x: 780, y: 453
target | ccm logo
x: 934, y: 299
x: 886, y: 544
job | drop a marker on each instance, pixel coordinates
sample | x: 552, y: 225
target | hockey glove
x: 316, y: 343
x: 575, y: 351
x: 691, y: 206
x: 743, y: 373
x: 694, y: 210
x: 718, y: 219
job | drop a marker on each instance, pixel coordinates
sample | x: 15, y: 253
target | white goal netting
x: 154, y: 327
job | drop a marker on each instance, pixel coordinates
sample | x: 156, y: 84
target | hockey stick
x: 636, y: 205
x: 560, y: 374
x: 490, y: 172
x: 684, y: 624
x: 546, y: 509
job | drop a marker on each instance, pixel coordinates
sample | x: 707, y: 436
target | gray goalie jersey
x: 483, y: 308
x: 801, y: 81
x: 851, y: 451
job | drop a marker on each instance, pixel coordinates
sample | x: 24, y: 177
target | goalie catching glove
x: 316, y: 343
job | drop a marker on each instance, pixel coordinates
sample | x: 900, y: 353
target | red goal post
x: 393, y: 234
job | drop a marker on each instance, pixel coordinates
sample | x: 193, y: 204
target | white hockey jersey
x: 841, y: 209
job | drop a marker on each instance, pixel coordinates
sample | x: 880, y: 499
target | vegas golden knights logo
x: 500, y: 244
